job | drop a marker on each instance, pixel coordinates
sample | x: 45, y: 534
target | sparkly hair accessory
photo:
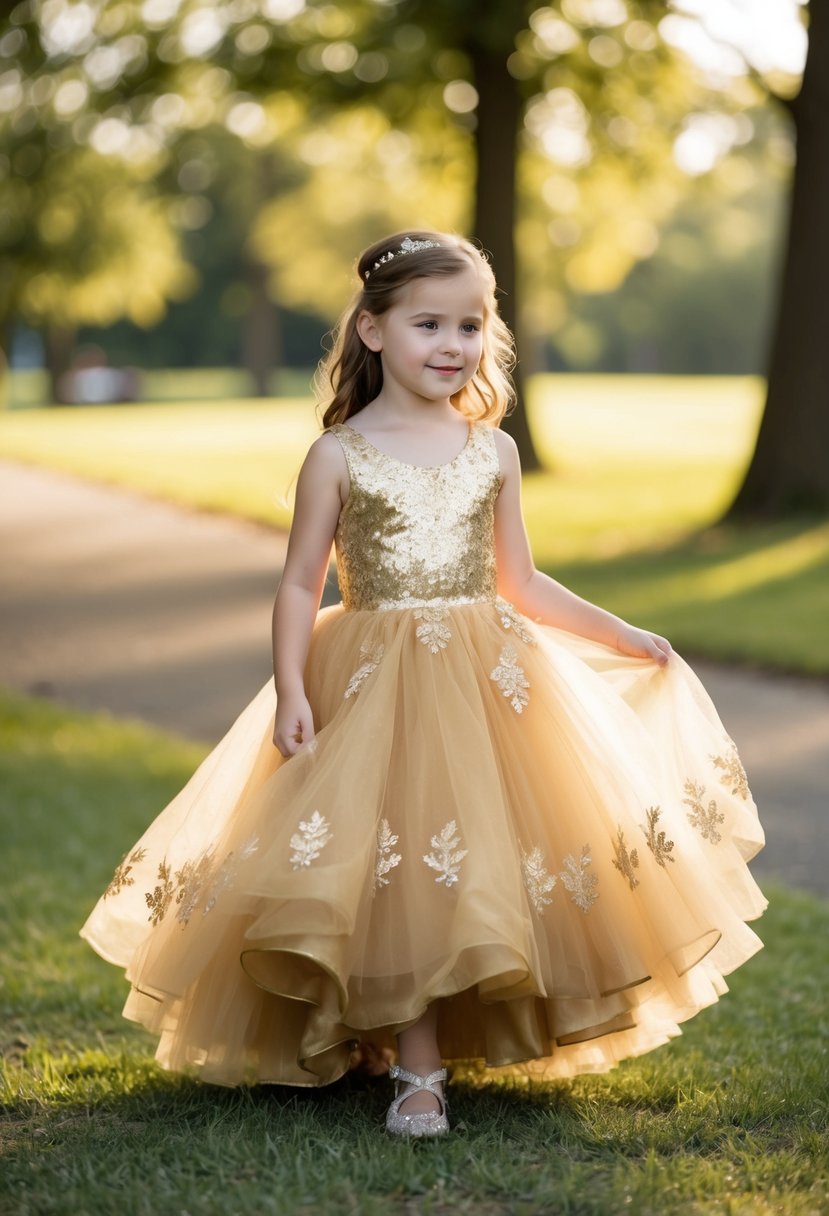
x: 407, y: 246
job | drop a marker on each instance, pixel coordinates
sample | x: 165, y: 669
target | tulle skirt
x: 545, y: 836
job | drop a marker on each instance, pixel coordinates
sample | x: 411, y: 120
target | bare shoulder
x: 326, y: 454
x: 507, y: 450
x: 325, y: 446
x: 325, y: 464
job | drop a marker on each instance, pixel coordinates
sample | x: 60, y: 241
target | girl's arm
x: 320, y: 492
x: 541, y: 598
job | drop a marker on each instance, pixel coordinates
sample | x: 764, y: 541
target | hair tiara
x: 407, y: 246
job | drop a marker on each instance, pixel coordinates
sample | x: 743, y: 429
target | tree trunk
x: 789, y: 472
x: 58, y: 348
x: 260, y: 336
x: 5, y: 365
x: 500, y: 110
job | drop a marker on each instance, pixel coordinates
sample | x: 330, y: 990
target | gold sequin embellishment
x: 510, y: 678
x: 582, y: 886
x: 432, y: 631
x: 626, y: 860
x: 703, y: 818
x: 370, y: 654
x: 386, y: 859
x: 409, y: 535
x: 512, y: 619
x: 658, y: 845
x: 446, y: 857
x: 308, y: 841
x: 733, y: 773
x: 537, y: 878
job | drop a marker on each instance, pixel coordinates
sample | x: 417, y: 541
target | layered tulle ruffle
x: 547, y: 835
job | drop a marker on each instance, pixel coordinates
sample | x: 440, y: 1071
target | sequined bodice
x: 411, y: 535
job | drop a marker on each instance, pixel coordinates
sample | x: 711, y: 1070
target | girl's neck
x: 398, y: 414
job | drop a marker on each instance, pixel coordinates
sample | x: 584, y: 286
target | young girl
x: 499, y: 825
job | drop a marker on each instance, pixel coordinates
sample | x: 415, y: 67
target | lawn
x: 637, y: 471
x: 729, y: 1119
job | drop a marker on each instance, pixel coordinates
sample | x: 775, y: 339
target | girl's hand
x: 643, y: 645
x: 294, y: 725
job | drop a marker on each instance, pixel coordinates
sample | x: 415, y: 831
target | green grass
x: 28, y: 388
x: 633, y: 459
x: 638, y: 470
x: 757, y: 596
x: 729, y: 1119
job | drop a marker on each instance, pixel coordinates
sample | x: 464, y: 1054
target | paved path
x: 110, y: 600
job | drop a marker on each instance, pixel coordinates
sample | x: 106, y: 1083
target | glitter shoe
x: 423, y: 1123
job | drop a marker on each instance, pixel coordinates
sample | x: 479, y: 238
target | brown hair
x: 351, y: 375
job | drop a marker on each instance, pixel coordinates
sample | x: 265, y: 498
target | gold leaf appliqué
x: 583, y: 887
x: 386, y: 860
x: 703, y: 818
x: 511, y: 619
x: 123, y: 876
x: 227, y: 871
x: 309, y: 840
x: 190, y: 879
x: 733, y: 773
x: 187, y: 883
x: 432, y: 631
x: 510, y: 678
x: 658, y: 845
x: 626, y: 860
x: 446, y: 857
x: 537, y: 878
x: 370, y: 654
x: 158, y: 900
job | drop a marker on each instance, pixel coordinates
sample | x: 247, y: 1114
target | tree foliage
x: 549, y: 131
x: 85, y: 236
x: 89, y: 247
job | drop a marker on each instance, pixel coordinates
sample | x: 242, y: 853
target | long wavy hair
x: 351, y: 375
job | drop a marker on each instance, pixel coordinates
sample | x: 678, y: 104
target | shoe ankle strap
x: 397, y: 1073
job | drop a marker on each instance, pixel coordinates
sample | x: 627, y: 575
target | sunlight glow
x: 768, y: 33
x: 66, y: 29
x: 704, y: 139
x: 282, y: 10
x: 202, y: 30
x: 559, y: 122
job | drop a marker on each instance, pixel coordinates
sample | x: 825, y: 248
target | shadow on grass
x: 732, y: 1115
x: 758, y: 595
x: 734, y: 1110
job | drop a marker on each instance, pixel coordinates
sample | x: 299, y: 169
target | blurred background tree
x: 789, y: 471
x: 85, y: 237
x: 628, y: 184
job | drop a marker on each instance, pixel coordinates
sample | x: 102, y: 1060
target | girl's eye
x: 469, y: 327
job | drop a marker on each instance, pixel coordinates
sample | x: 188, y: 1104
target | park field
x: 638, y: 469
x: 729, y: 1119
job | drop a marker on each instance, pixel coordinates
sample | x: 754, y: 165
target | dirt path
x: 110, y: 600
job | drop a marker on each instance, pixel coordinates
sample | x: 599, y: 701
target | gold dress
x: 548, y: 835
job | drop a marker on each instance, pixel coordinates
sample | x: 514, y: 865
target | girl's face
x: 430, y: 340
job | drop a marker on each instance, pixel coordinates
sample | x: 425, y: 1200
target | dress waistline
x: 439, y: 601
